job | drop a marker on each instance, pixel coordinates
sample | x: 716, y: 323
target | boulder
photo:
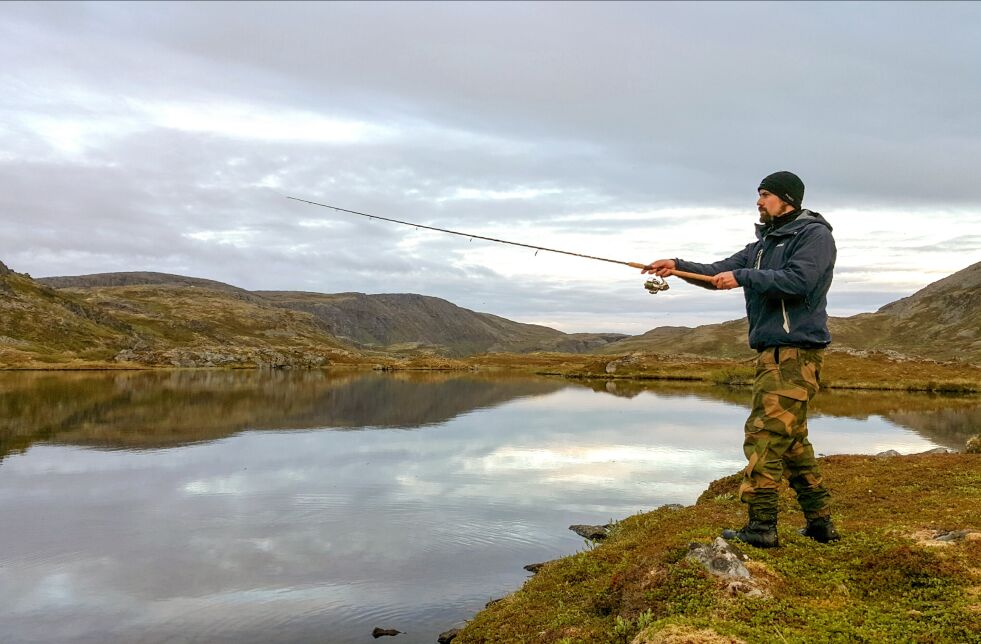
x: 384, y: 632
x: 888, y: 454
x: 720, y: 558
x: 973, y: 445
x: 592, y: 532
x: 448, y: 636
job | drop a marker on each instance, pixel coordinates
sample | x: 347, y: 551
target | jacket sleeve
x: 739, y: 260
x: 814, y: 253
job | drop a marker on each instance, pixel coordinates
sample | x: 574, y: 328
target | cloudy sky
x: 163, y: 137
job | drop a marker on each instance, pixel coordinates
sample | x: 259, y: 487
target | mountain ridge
x: 940, y: 321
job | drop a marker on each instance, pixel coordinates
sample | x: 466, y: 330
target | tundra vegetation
x: 906, y: 569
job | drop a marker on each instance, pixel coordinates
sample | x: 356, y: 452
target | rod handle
x: 692, y: 276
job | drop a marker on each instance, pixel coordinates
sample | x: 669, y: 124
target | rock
x: 938, y: 450
x: 448, y: 636
x: 973, y: 445
x: 720, y: 558
x: 888, y: 454
x: 671, y: 506
x: 4, y: 270
x: 953, y: 535
x: 743, y: 588
x: 938, y: 538
x: 492, y: 602
x: 535, y: 567
x: 592, y: 532
x: 384, y: 632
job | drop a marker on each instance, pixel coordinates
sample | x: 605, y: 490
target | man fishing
x: 785, y: 276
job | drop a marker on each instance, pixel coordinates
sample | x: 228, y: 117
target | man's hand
x: 661, y: 268
x: 725, y: 281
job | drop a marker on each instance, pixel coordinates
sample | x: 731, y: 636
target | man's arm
x: 814, y: 254
x: 663, y: 267
x: 738, y: 260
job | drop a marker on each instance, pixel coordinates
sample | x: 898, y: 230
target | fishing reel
x: 656, y: 284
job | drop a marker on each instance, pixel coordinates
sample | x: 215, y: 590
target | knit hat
x: 785, y: 185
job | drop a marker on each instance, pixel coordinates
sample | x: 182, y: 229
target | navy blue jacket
x: 785, y: 275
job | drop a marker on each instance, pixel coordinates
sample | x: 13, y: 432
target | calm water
x: 312, y: 507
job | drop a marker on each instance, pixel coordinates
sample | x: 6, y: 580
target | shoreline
x: 902, y: 571
x: 843, y: 371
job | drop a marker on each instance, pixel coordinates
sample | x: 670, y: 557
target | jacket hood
x: 804, y: 219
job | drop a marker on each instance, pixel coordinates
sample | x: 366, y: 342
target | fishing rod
x: 654, y: 285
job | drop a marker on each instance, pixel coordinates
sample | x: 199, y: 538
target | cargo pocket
x: 782, y: 410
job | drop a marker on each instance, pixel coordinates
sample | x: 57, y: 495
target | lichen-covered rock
x: 720, y: 558
x: 888, y: 454
x: 973, y: 445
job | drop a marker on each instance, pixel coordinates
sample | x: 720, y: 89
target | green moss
x: 878, y: 584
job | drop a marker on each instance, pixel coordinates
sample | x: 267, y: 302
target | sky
x: 166, y: 137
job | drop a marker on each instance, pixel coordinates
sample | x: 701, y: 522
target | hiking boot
x: 821, y: 530
x: 762, y: 534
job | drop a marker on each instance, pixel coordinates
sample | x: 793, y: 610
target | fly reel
x: 656, y: 284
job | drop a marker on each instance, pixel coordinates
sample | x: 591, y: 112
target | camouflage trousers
x: 776, y: 434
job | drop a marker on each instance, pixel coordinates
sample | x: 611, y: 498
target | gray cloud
x: 571, y: 110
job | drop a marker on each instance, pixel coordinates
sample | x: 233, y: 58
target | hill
x: 185, y: 323
x: 158, y: 318
x: 391, y: 322
x: 405, y: 321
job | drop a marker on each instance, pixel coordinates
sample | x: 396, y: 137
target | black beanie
x: 785, y: 185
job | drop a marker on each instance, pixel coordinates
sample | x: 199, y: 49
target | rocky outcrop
x: 592, y: 532
x: 4, y: 270
x: 225, y: 357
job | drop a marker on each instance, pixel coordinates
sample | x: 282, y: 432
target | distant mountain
x: 941, y: 321
x: 725, y: 340
x: 394, y: 322
x: 151, y: 318
x: 402, y: 321
x: 172, y: 319
x: 138, y: 278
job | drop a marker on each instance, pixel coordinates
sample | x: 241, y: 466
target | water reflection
x: 182, y: 525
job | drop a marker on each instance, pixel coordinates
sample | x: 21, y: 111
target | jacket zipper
x: 783, y: 304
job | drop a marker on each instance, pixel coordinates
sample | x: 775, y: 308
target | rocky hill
x: 941, y: 321
x: 404, y: 321
x: 159, y: 318
x: 392, y: 322
x: 191, y: 324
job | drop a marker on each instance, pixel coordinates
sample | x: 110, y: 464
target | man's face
x: 771, y: 206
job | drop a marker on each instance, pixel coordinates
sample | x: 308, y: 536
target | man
x: 785, y: 276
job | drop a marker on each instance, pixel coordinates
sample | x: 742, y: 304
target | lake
x: 258, y: 506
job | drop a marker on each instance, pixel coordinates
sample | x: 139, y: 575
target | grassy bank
x: 885, y: 581
x: 873, y: 371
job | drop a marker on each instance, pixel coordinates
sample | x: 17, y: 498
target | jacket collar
x: 804, y: 218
